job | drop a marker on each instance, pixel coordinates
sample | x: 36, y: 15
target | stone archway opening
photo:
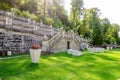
x: 68, y: 44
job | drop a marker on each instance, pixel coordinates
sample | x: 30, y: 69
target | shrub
x: 25, y: 14
x: 48, y: 21
x: 17, y: 11
x: 36, y: 46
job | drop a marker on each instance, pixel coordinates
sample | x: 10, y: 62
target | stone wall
x: 15, y: 42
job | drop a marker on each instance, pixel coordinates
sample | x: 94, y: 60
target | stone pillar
x: 45, y: 44
x: 63, y: 34
x: 8, y: 21
x: 35, y: 28
x: 22, y: 40
x: 51, y: 26
x: 29, y: 20
x: 52, y: 30
x: 9, y: 18
x: 41, y: 23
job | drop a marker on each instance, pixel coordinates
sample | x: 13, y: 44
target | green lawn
x: 62, y: 66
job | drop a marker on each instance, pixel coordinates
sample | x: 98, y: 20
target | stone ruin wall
x: 18, y: 33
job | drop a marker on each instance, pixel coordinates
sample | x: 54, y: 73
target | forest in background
x: 85, y: 22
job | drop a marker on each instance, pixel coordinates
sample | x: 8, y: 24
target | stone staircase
x: 48, y: 44
x: 53, y: 41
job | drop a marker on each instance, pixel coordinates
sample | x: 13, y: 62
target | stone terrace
x: 18, y: 33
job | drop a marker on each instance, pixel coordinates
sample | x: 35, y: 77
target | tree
x: 109, y: 36
x: 84, y: 29
x: 115, y: 28
x: 105, y: 23
x: 97, y: 36
x: 75, y: 14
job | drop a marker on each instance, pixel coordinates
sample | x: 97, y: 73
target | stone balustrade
x: 92, y: 50
x: 25, y: 25
x: 74, y: 52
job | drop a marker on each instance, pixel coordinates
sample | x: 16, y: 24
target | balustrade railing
x: 54, y: 40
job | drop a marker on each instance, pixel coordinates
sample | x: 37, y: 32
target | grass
x: 62, y: 66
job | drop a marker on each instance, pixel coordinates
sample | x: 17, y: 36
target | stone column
x: 29, y: 20
x: 41, y: 23
x: 22, y: 40
x: 35, y: 28
x: 9, y: 19
x: 45, y: 44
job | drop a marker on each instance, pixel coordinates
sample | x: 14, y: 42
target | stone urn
x: 35, y: 53
x: 9, y: 53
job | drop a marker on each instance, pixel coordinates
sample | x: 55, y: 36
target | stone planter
x: 9, y: 53
x: 35, y: 55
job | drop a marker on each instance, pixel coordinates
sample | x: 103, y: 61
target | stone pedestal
x: 45, y: 46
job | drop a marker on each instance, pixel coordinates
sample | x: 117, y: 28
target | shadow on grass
x: 106, y: 57
x: 32, y: 66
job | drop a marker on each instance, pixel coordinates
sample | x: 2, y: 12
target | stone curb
x: 12, y: 57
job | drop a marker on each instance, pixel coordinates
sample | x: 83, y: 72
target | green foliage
x: 97, y: 35
x: 4, y: 6
x: 57, y: 23
x: 34, y: 17
x: 105, y: 26
x: 75, y: 14
x: 112, y: 34
x: 110, y: 39
x: 83, y: 29
x: 16, y: 11
x: 30, y: 5
x: 25, y: 14
x: 115, y: 28
x: 48, y: 21
x: 118, y: 40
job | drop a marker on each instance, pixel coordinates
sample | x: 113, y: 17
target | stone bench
x: 109, y: 48
x: 74, y: 52
x: 92, y: 50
